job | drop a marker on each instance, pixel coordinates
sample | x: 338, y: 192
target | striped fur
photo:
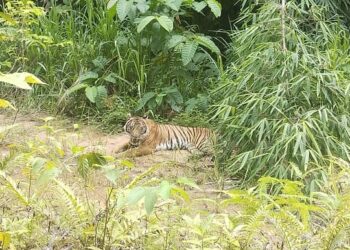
x: 148, y: 136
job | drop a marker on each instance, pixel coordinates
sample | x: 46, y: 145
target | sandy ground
x: 53, y: 138
x: 29, y: 129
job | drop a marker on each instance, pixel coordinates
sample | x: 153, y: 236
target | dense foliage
x: 284, y: 98
x: 99, y: 56
x: 55, y: 193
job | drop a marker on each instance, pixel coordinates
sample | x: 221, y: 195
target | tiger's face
x: 138, y: 130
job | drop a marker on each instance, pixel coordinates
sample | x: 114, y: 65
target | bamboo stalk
x: 283, y: 25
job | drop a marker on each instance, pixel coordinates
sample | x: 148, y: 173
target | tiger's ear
x: 129, y: 116
x: 145, y: 116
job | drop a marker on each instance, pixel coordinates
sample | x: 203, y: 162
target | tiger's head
x: 138, y: 129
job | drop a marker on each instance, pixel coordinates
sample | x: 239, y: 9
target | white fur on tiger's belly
x: 171, y: 145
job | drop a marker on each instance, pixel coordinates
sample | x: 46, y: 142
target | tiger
x: 148, y: 136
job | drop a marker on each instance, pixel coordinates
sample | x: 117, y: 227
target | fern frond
x: 10, y: 185
x: 72, y: 202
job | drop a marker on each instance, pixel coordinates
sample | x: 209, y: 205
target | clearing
x: 64, y: 136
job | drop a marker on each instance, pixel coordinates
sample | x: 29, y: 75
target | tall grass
x: 84, y: 40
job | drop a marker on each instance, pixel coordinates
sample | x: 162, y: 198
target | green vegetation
x: 58, y: 194
x: 271, y: 76
x: 286, y: 93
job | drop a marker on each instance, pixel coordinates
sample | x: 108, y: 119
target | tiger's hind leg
x: 205, y: 153
x: 195, y: 151
x: 205, y: 149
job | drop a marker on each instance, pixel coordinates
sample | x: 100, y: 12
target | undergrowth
x: 49, y: 187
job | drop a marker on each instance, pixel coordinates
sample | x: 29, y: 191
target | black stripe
x: 176, y: 135
x: 190, y: 131
x: 183, y: 137
x: 168, y: 138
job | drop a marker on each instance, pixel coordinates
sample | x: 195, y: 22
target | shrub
x: 284, y: 97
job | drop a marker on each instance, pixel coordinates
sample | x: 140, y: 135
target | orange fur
x: 149, y: 136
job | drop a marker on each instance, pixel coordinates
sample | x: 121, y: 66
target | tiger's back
x: 191, y: 138
x: 150, y: 136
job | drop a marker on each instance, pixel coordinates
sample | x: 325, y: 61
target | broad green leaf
x: 145, y: 99
x: 49, y: 172
x: 110, y: 78
x: 5, y: 240
x: 207, y: 43
x: 188, y: 51
x: 150, y: 200
x: 123, y: 8
x: 37, y: 164
x: 175, y: 40
x: 144, y: 22
x: 174, y: 4
x: 94, y: 158
x: 199, y: 6
x: 100, y: 62
x: 215, y: 7
x: 5, y: 104
x: 111, y: 3
x: 164, y: 190
x: 91, y: 93
x: 166, y: 23
x: 101, y: 95
x: 20, y: 80
x: 112, y: 174
x: 87, y: 75
x: 121, y: 201
x: 135, y: 195
x: 88, y: 161
x: 142, y: 6
x: 132, y: 12
x: 159, y: 98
